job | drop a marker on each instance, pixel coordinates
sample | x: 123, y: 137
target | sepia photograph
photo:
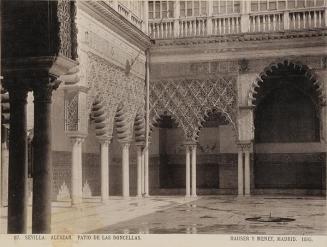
x: 168, y: 122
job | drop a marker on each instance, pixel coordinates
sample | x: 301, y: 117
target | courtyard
x: 180, y: 215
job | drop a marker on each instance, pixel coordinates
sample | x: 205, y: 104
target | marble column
x: 193, y: 148
x: 142, y: 173
x: 76, y: 177
x: 104, y: 146
x: 139, y: 169
x: 240, y: 172
x: 4, y: 173
x: 146, y: 171
x: 247, y: 174
x: 125, y: 169
x: 17, y: 194
x: 42, y: 160
x: 187, y: 170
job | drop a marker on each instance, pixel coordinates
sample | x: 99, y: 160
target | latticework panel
x: 188, y: 101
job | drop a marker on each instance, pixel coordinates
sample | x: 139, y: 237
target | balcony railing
x: 126, y: 12
x: 265, y: 21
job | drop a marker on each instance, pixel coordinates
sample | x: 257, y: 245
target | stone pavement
x: 93, y: 214
x: 206, y: 214
x: 228, y: 214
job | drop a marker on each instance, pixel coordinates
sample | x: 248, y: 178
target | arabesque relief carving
x: 188, y: 101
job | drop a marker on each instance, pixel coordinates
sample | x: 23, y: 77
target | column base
x: 76, y: 203
x: 105, y: 201
x: 194, y: 196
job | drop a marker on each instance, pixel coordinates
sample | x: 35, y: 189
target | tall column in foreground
x: 42, y: 158
x: 17, y: 191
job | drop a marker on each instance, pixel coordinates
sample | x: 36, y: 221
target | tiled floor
x: 208, y: 214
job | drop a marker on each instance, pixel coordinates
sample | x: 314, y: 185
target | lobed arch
x: 139, y: 126
x: 188, y: 100
x: 279, y: 64
x: 224, y: 115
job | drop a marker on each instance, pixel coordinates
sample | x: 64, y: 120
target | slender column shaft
x: 4, y: 174
x: 17, y: 194
x: 240, y: 173
x: 142, y: 174
x: 42, y: 166
x: 146, y: 172
x: 187, y: 171
x: 104, y: 170
x: 247, y: 172
x: 125, y: 169
x: 76, y: 182
x: 139, y: 170
x: 194, y: 170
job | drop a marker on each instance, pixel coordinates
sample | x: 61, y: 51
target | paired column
x: 42, y: 166
x: 104, y: 146
x: 139, y: 167
x: 244, y: 171
x: 76, y: 177
x: 188, y: 173
x: 17, y: 190
x: 190, y: 181
x: 146, y: 171
x: 193, y: 154
x: 125, y: 168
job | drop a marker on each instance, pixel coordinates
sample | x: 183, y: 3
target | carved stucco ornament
x: 189, y: 101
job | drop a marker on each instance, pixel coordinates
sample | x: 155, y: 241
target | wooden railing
x: 314, y: 18
x: 226, y: 25
x: 265, y: 21
x: 127, y: 13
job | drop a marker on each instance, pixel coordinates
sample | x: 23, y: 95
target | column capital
x: 140, y: 144
x: 190, y: 144
x: 104, y: 139
x: 125, y: 144
x: 43, y: 90
x: 245, y: 146
x: 18, y: 95
x: 76, y: 136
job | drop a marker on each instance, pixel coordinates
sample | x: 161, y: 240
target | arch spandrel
x: 110, y: 85
x: 187, y: 101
